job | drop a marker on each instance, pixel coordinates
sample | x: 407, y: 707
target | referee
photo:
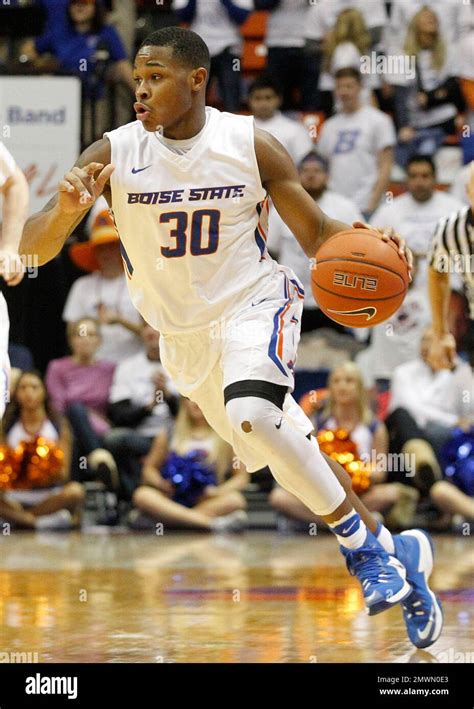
x: 452, y: 250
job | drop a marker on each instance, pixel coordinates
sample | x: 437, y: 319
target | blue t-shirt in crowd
x: 71, y: 49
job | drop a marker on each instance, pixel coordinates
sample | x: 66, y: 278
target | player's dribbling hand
x: 79, y: 189
x: 389, y: 234
x: 12, y: 269
x: 442, y: 352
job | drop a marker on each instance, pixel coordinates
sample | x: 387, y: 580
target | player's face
x: 263, y: 103
x: 347, y: 92
x: 164, y: 88
x: 30, y: 392
x: 420, y: 181
x: 344, y: 388
x: 313, y: 177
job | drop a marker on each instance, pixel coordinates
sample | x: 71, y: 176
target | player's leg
x: 422, y: 610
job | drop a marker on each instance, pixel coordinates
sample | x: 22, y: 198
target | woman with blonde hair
x: 343, y: 47
x: 184, y: 478
x: 346, y: 408
x: 427, y: 93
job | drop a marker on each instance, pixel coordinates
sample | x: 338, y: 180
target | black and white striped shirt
x: 452, y: 249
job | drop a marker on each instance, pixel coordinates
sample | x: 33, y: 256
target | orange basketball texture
x: 358, y: 279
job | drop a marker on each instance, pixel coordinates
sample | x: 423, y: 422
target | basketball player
x: 14, y: 189
x: 189, y: 188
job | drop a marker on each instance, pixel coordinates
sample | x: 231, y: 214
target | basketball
x: 359, y: 280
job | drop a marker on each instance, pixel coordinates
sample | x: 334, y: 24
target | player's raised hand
x: 389, y: 234
x: 79, y: 188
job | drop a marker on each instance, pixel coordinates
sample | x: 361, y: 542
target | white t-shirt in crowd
x: 133, y: 380
x: 286, y: 24
x: 432, y: 396
x: 84, y: 298
x: 291, y: 134
x: 397, y: 340
x: 352, y: 143
x: 416, y: 222
x: 322, y: 16
x: 289, y: 253
x: 213, y: 24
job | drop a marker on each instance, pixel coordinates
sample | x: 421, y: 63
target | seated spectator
x: 416, y: 212
x: 79, y: 387
x: 397, y: 340
x: 358, y: 143
x: 264, y: 101
x: 427, y: 97
x: 347, y: 408
x: 424, y: 408
x: 142, y: 403
x: 313, y: 171
x: 103, y: 294
x: 53, y: 502
x: 450, y: 500
x: 343, y: 47
x: 289, y: 64
x: 88, y: 47
x: 183, y: 478
x: 218, y: 22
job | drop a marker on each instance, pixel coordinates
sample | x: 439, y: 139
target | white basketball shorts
x: 259, y: 341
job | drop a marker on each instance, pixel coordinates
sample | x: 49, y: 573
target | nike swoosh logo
x: 423, y: 634
x: 139, y: 169
x: 279, y: 425
x: 372, y: 597
x: 369, y: 311
x: 348, y: 529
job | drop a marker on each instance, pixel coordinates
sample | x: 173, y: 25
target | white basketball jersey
x: 192, y: 226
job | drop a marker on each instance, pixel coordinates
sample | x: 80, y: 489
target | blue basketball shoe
x: 381, y: 575
x: 422, y: 610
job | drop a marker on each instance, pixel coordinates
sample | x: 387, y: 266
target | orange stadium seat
x: 255, y: 27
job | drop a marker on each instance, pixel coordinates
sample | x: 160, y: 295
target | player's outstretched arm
x: 298, y: 210
x: 46, y: 231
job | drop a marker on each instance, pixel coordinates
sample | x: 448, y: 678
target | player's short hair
x: 264, y: 81
x: 421, y: 158
x: 348, y: 72
x: 188, y: 47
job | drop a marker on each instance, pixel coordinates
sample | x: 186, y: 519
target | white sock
x: 385, y: 538
x: 296, y: 463
x: 350, y: 530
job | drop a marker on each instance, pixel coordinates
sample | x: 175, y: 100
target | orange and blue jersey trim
x: 260, y: 232
x: 275, y: 348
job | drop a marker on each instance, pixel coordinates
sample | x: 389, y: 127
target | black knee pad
x: 257, y: 387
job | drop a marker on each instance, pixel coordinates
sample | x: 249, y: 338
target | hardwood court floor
x: 258, y: 597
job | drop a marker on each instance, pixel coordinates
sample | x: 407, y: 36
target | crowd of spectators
x: 109, y: 404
